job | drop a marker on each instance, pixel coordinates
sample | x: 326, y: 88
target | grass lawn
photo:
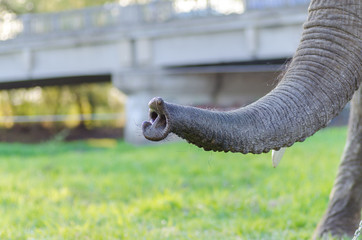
x: 111, y: 190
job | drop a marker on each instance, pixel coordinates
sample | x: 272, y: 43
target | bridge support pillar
x: 136, y: 87
x: 136, y: 113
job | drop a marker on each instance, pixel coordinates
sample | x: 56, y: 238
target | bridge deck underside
x: 55, y: 81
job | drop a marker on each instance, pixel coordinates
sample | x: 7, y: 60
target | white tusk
x: 277, y: 156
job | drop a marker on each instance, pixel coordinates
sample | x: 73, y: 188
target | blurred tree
x: 64, y: 100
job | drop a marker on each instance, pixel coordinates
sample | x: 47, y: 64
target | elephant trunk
x: 322, y: 77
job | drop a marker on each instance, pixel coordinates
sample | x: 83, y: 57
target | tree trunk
x: 344, y: 210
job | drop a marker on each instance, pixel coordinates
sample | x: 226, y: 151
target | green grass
x: 107, y: 190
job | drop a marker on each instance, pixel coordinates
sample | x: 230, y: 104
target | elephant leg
x: 344, y: 210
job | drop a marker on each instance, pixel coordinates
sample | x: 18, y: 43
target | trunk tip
x: 158, y: 127
x: 156, y: 103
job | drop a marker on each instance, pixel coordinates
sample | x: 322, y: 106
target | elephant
x: 324, y: 74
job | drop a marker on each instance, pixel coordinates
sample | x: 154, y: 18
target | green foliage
x: 26, y: 6
x: 110, y: 190
x: 63, y: 100
x: 39, y: 6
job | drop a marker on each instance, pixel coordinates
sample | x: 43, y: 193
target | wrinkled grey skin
x: 325, y: 72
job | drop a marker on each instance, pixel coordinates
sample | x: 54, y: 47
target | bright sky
x: 222, y: 6
x: 9, y: 25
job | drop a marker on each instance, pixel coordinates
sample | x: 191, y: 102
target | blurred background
x: 87, y: 68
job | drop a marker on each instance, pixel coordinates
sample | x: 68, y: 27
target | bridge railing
x: 111, y: 15
x: 77, y: 20
x: 268, y: 4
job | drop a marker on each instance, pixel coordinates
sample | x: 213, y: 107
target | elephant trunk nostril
x: 158, y: 120
x: 153, y: 116
x: 157, y: 128
x: 162, y: 122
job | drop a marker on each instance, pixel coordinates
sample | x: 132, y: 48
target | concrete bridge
x: 200, y: 57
